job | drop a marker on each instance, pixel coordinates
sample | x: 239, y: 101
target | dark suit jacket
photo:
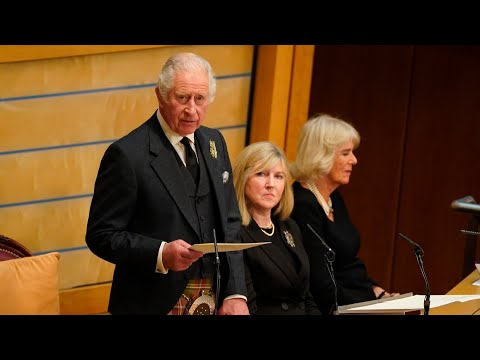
x: 141, y: 200
x: 352, y: 282
x: 277, y: 277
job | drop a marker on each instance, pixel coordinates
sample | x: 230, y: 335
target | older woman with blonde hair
x: 276, y: 274
x: 324, y: 161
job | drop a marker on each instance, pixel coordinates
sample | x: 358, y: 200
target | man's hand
x: 235, y: 306
x: 178, y: 256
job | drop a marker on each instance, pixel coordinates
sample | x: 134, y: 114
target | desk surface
x: 464, y: 287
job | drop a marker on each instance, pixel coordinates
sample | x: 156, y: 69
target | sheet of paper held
x: 222, y: 247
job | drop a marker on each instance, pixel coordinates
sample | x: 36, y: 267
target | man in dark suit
x: 148, y: 209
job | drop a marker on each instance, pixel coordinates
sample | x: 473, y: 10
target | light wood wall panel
x: 57, y: 225
x: 12, y: 53
x: 64, y: 120
x: 81, y: 267
x: 47, y: 174
x: 235, y: 139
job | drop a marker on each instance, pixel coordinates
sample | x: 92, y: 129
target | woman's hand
x: 387, y: 295
x: 380, y: 293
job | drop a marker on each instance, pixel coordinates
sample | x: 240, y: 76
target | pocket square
x: 225, y: 176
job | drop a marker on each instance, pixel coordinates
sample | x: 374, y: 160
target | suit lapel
x: 273, y: 253
x: 167, y: 169
x: 212, y: 165
x: 284, y: 232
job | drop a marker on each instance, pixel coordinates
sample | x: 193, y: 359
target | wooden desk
x: 464, y: 287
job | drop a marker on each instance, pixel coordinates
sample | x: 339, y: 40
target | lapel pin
x: 289, y: 238
x: 213, y: 149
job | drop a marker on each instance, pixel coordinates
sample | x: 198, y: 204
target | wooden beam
x: 299, y: 96
x: 281, y: 94
x: 271, y: 94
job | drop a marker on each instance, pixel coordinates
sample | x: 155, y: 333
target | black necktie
x: 190, y: 159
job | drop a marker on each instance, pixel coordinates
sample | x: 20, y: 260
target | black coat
x: 141, y: 200
x: 350, y: 273
x: 277, y: 274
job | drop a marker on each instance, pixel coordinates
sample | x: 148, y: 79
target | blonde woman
x: 276, y: 274
x: 324, y: 161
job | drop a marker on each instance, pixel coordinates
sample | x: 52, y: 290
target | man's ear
x: 159, y: 97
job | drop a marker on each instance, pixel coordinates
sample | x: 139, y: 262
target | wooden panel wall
x: 416, y: 108
x: 441, y: 163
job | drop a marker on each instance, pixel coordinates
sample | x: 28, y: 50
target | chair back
x: 11, y: 249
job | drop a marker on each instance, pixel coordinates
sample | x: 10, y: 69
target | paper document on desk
x: 222, y: 247
x: 415, y: 302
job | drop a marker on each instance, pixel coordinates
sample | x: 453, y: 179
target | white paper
x: 415, y: 302
x: 222, y: 247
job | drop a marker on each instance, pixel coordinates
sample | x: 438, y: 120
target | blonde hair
x: 321, y: 136
x: 255, y: 158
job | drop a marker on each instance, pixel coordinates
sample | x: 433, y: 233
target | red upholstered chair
x: 11, y: 249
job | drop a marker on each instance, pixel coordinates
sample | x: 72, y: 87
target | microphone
x: 329, y: 259
x: 417, y: 248
x: 217, y: 263
x: 419, y: 254
x: 330, y: 253
x: 469, y: 232
x: 466, y: 204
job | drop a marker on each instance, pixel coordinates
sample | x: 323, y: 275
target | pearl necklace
x: 272, y: 226
x: 326, y: 207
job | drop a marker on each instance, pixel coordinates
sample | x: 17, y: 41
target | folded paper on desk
x: 222, y: 247
x: 402, y: 304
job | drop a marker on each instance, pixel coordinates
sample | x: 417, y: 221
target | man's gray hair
x: 185, y: 62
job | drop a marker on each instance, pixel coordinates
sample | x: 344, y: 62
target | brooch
x: 213, y: 149
x: 289, y: 238
x: 225, y: 177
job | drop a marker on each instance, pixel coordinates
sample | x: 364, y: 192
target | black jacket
x: 141, y: 200
x: 277, y: 274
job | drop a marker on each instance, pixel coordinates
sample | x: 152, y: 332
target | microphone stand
x: 329, y: 259
x: 419, y: 255
x: 217, y: 263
